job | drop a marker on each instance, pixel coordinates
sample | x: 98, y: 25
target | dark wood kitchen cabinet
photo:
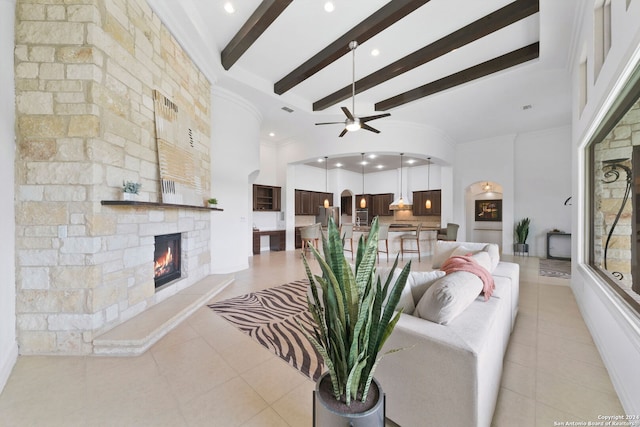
x: 266, y: 198
x: 420, y: 198
x: 381, y: 204
x: 307, y: 202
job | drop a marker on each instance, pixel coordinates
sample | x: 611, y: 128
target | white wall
x: 614, y: 328
x: 8, y: 344
x: 235, y: 151
x: 484, y: 160
x: 542, y: 184
x: 534, y: 172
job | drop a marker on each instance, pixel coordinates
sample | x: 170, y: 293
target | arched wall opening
x: 484, y: 212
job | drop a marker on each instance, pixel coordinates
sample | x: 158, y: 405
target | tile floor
x: 207, y: 373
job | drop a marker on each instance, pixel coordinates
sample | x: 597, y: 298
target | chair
x: 383, y: 234
x: 346, y: 232
x: 450, y: 233
x: 408, y: 238
x: 310, y: 235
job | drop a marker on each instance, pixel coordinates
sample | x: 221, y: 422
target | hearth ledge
x: 137, y: 335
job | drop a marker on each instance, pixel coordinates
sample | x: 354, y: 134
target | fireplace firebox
x: 166, y: 257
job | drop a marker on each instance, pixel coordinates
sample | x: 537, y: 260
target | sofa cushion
x: 448, y: 297
x: 417, y: 283
x: 444, y: 249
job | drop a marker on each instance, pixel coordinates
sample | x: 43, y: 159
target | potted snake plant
x: 522, y: 232
x: 354, y: 313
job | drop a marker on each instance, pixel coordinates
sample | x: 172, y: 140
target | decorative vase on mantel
x: 350, y: 326
x: 130, y: 190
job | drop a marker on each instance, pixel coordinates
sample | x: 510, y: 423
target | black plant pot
x: 328, y: 412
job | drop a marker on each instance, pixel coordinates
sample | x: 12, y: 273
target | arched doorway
x: 347, y: 206
x: 484, y: 212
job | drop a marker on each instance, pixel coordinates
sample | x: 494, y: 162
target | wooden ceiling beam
x: 380, y: 20
x: 500, y: 63
x: 486, y: 25
x: 258, y: 22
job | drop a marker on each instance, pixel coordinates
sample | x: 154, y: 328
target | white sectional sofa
x: 450, y: 373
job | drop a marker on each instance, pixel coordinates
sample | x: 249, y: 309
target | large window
x: 614, y: 187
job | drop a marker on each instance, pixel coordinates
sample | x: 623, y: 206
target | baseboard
x: 6, y: 366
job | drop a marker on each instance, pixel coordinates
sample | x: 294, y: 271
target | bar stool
x: 310, y: 235
x: 346, y: 232
x: 383, y: 234
x: 408, y: 238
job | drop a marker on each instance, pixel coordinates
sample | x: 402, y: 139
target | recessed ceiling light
x: 272, y: 134
x: 338, y: 165
x: 329, y: 7
x: 228, y: 7
x: 375, y: 52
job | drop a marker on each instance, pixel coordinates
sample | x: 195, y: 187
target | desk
x: 552, y: 234
x: 276, y: 240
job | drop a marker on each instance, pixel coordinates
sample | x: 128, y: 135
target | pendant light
x: 326, y: 180
x: 401, y: 201
x: 427, y: 204
x: 363, y: 201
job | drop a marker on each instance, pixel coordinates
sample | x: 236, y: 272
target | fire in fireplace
x: 167, y: 258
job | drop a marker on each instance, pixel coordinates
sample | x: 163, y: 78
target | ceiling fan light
x: 353, y: 125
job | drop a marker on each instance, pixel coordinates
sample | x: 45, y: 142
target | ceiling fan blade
x: 379, y: 116
x: 330, y: 123
x: 347, y: 113
x: 369, y: 128
x: 344, y: 131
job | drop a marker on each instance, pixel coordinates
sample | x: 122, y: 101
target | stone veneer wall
x: 85, y: 71
x: 609, y: 196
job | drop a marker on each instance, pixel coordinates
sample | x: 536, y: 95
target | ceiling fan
x: 353, y: 122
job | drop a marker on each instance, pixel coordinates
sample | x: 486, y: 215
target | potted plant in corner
x: 351, y: 324
x: 130, y: 189
x: 213, y: 202
x: 522, y: 232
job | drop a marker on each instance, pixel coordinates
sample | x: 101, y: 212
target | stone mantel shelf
x: 155, y: 205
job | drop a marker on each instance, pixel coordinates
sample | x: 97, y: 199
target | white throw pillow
x: 419, y: 281
x: 406, y: 301
x: 483, y: 259
x: 448, y: 297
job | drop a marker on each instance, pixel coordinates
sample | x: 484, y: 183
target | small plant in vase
x: 130, y: 189
x: 213, y: 202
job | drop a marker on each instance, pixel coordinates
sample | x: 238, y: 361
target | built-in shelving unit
x: 266, y: 198
x: 133, y: 203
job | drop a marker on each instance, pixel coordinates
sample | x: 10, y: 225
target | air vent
x: 287, y: 109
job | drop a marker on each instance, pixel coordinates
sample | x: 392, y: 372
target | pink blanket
x: 466, y: 263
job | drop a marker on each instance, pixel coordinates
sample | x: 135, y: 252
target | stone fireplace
x: 85, y: 76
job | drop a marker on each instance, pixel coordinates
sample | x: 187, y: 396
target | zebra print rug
x: 269, y: 317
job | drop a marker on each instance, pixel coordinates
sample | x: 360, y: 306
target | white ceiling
x: 486, y: 107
